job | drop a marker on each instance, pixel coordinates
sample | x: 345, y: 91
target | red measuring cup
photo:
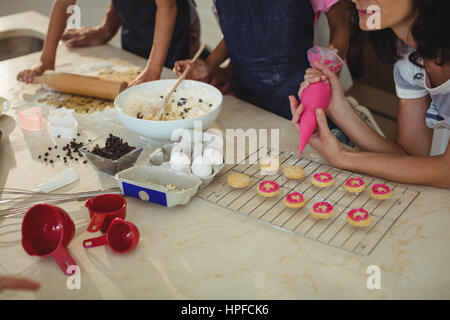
x: 46, y: 231
x: 103, y: 209
x: 121, y: 236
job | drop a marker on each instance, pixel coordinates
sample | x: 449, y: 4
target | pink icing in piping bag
x: 317, y: 95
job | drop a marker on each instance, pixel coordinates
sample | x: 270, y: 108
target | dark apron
x: 267, y: 42
x: 138, y: 26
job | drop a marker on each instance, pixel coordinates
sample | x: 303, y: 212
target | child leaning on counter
x: 155, y: 29
x: 266, y: 41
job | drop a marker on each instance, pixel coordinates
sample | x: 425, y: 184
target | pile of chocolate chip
x: 71, y: 151
x: 114, y: 148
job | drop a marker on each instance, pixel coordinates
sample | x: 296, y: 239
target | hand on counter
x: 85, y: 37
x: 29, y: 75
x: 18, y: 284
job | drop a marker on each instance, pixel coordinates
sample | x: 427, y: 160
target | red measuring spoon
x: 46, y: 231
x: 121, y: 236
x: 103, y: 209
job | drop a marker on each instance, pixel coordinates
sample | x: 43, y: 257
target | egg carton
x: 161, y: 158
x: 158, y: 181
x: 158, y: 184
x: 188, y: 144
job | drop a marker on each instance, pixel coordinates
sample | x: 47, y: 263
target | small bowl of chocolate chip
x: 112, y: 153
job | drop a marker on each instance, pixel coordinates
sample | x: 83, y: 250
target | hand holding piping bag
x: 316, y: 95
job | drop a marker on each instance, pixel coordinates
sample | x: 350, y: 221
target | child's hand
x: 200, y: 70
x: 29, y: 75
x: 222, y: 81
x: 325, y: 143
x: 85, y: 37
x: 18, y: 284
x: 145, y: 76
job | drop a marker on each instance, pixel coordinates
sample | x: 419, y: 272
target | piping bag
x: 318, y: 94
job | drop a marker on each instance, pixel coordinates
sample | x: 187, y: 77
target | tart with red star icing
x: 322, y: 180
x: 355, y: 185
x: 268, y: 189
x: 294, y: 200
x: 380, y: 192
x: 322, y: 210
x: 359, y: 217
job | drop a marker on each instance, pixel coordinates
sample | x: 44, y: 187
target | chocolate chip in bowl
x: 112, y: 153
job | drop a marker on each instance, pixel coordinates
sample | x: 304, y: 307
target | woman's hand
x: 312, y: 75
x: 323, y: 140
x: 85, y: 37
x: 338, y: 102
x: 325, y: 143
x: 200, y: 70
x: 29, y: 75
x: 296, y: 110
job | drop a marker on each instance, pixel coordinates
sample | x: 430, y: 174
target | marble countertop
x: 200, y: 250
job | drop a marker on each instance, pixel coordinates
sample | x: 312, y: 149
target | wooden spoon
x: 180, y: 79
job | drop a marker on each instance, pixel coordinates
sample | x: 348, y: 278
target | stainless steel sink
x: 17, y: 46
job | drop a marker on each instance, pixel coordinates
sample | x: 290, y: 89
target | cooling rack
x: 335, y: 231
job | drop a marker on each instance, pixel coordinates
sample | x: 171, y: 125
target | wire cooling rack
x: 335, y: 231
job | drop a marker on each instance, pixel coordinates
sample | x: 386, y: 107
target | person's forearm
x: 55, y: 30
x: 432, y: 171
x: 111, y: 23
x: 339, y: 40
x: 164, y: 25
x: 364, y: 137
x: 218, y: 56
x: 339, y: 29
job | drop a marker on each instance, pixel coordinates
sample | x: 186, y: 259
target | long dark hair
x: 431, y: 32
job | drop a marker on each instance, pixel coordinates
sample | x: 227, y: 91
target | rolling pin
x: 82, y: 85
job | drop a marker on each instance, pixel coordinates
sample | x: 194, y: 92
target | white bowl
x: 163, y: 129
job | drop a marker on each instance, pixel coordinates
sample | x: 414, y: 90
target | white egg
x: 197, y: 136
x: 201, y: 168
x: 179, y: 161
x: 212, y: 156
x: 197, y: 150
x: 214, y: 141
x: 182, y: 148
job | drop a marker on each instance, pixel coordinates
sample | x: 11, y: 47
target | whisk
x: 27, y: 199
